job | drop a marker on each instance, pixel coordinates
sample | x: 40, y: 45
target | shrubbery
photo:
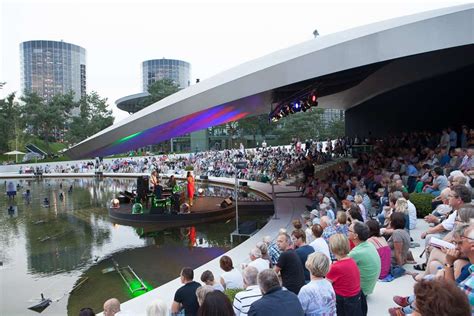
x: 231, y: 293
x: 422, y: 203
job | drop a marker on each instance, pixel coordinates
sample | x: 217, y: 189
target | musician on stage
x: 190, y: 180
x: 155, y: 182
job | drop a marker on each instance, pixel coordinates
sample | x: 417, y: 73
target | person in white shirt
x: 231, y: 278
x: 411, y: 211
x: 319, y: 244
x: 252, y: 292
x: 257, y: 261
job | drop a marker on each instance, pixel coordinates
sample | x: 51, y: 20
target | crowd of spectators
x: 356, y: 231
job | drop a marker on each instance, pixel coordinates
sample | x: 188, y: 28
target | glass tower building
x: 50, y: 67
x: 177, y: 70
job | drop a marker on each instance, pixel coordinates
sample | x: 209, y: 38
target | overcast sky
x: 213, y: 36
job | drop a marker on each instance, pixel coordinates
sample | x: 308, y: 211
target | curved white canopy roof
x: 397, y: 46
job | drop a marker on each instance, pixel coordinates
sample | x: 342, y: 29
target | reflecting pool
x: 69, y: 243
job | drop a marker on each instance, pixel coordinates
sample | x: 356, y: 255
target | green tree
x: 158, y: 90
x: 93, y: 117
x: 46, y: 118
x: 304, y: 125
x: 255, y: 125
x: 10, y: 122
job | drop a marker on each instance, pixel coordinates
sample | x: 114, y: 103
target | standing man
x: 185, y: 297
x: 367, y: 259
x: 289, y: 265
x: 303, y: 250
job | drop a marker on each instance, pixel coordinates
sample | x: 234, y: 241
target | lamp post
x: 239, y: 165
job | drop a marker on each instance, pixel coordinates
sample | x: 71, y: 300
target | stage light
x: 313, y: 99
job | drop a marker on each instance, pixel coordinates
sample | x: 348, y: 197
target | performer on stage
x: 190, y: 179
x: 155, y: 182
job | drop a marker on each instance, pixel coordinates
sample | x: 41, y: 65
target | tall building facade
x: 177, y: 70
x: 51, y: 67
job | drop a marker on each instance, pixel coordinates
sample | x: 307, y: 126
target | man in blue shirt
x: 275, y: 301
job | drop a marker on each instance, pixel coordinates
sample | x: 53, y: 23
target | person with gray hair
x: 263, y: 249
x: 318, y: 296
x: 275, y: 301
x: 257, y: 261
x: 202, y: 291
x: 252, y: 292
x: 157, y: 307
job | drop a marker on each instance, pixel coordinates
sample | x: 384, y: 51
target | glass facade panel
x: 156, y: 69
x: 49, y: 68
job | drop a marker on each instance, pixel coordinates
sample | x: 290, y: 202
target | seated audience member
x: 358, y: 201
x: 345, y: 278
x: 86, y: 311
x: 112, y: 307
x: 264, y: 250
x: 367, y: 259
x: 289, y: 265
x: 399, y: 243
x: 328, y: 228
x: 273, y: 251
x: 341, y: 223
x: 185, y: 297
x: 231, y: 278
x: 207, y: 277
x: 354, y: 214
x: 458, y: 197
x: 257, y: 261
x: 319, y: 244
x: 411, y: 211
x: 440, y: 182
x: 202, y: 291
x: 157, y: 307
x: 382, y: 247
x: 440, y: 298
x: 216, y: 303
x: 252, y: 292
x: 318, y: 296
x: 275, y: 301
x: 298, y: 237
x: 456, y: 268
x: 439, y: 257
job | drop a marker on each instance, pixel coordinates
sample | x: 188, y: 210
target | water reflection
x: 47, y: 247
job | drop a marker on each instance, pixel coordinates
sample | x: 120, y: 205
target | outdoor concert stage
x: 205, y: 209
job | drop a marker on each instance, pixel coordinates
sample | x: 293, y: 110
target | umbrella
x: 16, y: 153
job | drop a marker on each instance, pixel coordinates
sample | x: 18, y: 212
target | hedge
x: 231, y: 293
x: 422, y: 203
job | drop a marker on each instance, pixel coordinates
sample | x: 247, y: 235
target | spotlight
x: 297, y: 106
x: 313, y: 99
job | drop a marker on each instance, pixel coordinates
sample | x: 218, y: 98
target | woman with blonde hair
x: 345, y: 278
x: 358, y: 199
x: 318, y: 297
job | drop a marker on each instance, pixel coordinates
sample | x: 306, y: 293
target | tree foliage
x: 158, y: 90
x: 93, y: 117
x: 9, y: 121
x: 46, y: 118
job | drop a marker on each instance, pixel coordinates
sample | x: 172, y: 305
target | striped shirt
x: 244, y: 299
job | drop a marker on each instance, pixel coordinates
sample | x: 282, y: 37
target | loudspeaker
x: 247, y: 227
x: 226, y: 203
x: 204, y: 177
x: 142, y: 187
x: 243, y: 183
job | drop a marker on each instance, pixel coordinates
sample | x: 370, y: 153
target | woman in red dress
x: 190, y: 179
